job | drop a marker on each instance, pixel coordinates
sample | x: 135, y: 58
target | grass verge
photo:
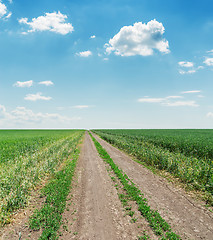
x: 160, y: 227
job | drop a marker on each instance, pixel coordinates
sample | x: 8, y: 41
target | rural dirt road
x: 187, y: 217
x: 96, y: 211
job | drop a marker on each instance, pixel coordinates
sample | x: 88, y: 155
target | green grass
x: 197, y: 173
x: 157, y: 223
x: 49, y: 217
x: 19, y: 175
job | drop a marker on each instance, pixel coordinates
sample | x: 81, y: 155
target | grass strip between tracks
x: 49, y: 217
x: 157, y: 223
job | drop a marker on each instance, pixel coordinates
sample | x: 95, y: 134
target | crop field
x: 26, y: 158
x: 187, y: 154
x: 76, y: 184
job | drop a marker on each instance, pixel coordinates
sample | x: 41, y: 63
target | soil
x: 95, y: 210
x: 187, y: 217
x: 18, y: 228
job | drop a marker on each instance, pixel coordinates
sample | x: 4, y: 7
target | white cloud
x: 210, y: 52
x: 54, y: 22
x: 46, y: 83
x: 192, y: 91
x: 139, y: 39
x: 37, y: 96
x: 209, y: 61
x: 93, y: 36
x: 10, y: 1
x: 169, y: 101
x: 186, y: 64
x: 181, y: 103
x: 151, y: 100
x: 4, y: 11
x: 81, y: 106
x: 187, y: 72
x: 24, y: 117
x: 105, y: 59
x: 24, y: 84
x: 174, y: 97
x: 8, y: 15
x: 209, y: 114
x: 84, y: 54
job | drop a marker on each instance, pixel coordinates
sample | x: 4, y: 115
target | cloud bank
x: 24, y: 117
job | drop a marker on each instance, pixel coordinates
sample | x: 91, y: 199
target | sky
x: 94, y: 64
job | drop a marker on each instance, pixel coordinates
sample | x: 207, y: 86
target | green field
x: 186, y: 154
x: 26, y: 158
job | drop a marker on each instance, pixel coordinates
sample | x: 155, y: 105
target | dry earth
x: 186, y: 216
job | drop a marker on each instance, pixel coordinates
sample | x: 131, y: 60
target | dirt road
x: 97, y: 213
x: 186, y: 217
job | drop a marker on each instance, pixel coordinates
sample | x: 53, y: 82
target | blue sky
x: 106, y: 64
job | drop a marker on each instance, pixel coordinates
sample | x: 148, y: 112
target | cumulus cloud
x: 4, y: 11
x: 192, y: 91
x: 139, y: 39
x: 93, y: 36
x: 37, y: 96
x: 54, y: 22
x: 26, y: 117
x: 23, y: 84
x: 186, y: 64
x: 84, y: 54
x: 209, y: 61
x: 46, y: 83
x: 169, y: 101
